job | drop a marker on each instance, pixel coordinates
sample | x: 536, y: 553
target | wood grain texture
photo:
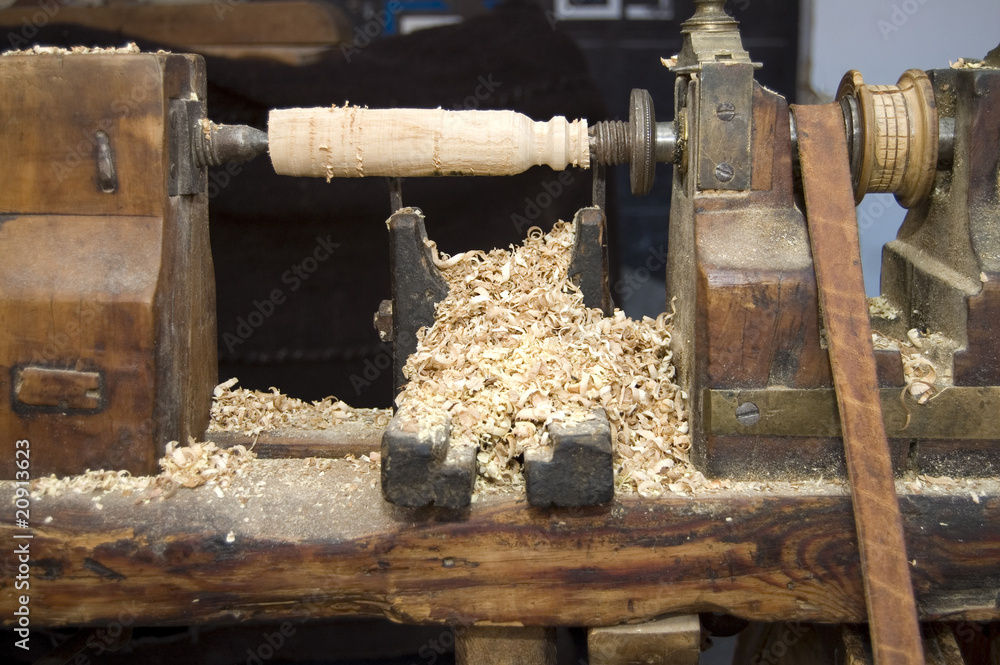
x: 505, y: 645
x: 117, y: 283
x: 305, y: 544
x: 295, y: 23
x: 353, y: 142
x: 833, y: 234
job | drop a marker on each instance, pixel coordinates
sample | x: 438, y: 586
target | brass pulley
x: 892, y: 135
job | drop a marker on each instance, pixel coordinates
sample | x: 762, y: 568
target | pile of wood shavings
x: 129, y: 48
x: 253, y: 412
x: 192, y: 465
x: 513, y: 348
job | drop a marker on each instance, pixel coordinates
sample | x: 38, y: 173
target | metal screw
x: 724, y: 172
x: 726, y: 111
x: 747, y: 414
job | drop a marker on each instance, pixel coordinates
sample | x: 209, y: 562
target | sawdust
x: 881, y: 308
x: 928, y: 362
x: 968, y: 63
x: 130, y: 48
x: 253, y: 412
x: 189, y: 466
x: 513, y: 349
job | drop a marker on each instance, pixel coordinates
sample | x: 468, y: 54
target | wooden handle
x: 352, y: 142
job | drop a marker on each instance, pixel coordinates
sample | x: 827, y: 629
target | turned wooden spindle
x: 352, y: 142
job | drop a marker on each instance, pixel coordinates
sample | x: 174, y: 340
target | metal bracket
x: 184, y: 176
x: 958, y: 412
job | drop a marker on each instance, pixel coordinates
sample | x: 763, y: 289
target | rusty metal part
x: 588, y: 268
x: 894, y: 135
x: 417, y: 285
x: 214, y: 145
x: 641, y: 142
x: 107, y: 176
x: 711, y: 35
x: 833, y: 236
x: 642, y: 124
x: 956, y: 413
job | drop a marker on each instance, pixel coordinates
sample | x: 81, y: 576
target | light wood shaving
x: 880, y: 308
x: 192, y: 465
x: 513, y: 348
x: 968, y: 63
x: 129, y: 48
x: 254, y: 412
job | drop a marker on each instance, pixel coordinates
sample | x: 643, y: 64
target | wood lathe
x: 830, y: 406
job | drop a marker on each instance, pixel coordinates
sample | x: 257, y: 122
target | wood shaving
x: 968, y: 63
x: 254, y: 412
x: 191, y: 466
x: 130, y: 48
x: 513, y: 349
x: 881, y: 308
x: 928, y: 362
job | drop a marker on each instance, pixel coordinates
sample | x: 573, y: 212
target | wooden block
x: 505, y: 645
x: 672, y: 641
x: 107, y: 290
x: 576, y: 468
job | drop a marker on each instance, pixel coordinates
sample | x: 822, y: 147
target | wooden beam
x: 833, y: 236
x: 288, y: 540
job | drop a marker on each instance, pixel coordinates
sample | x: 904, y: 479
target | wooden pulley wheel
x: 893, y: 135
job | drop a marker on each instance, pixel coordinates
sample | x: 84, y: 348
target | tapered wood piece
x: 352, y: 142
x: 833, y: 236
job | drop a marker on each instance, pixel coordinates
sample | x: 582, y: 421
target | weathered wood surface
x: 111, y: 282
x: 305, y: 544
x: 833, y: 236
x: 345, y: 439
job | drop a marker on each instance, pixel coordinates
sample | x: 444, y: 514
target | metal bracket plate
x: 958, y: 412
x: 725, y: 111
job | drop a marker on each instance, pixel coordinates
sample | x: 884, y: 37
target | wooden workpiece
x: 286, y: 541
x: 352, y: 142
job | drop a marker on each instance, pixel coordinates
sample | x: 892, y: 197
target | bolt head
x: 724, y: 172
x: 747, y: 414
x: 725, y: 111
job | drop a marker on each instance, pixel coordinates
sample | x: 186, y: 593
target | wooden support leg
x: 505, y: 645
x: 676, y: 640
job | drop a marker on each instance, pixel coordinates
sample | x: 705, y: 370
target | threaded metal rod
x: 611, y: 142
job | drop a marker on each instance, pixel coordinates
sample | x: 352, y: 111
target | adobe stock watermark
x: 377, y: 365
x: 47, y: 10
x: 296, y: 275
x: 535, y: 205
x: 484, y: 90
x: 370, y: 29
x: 899, y: 16
x: 777, y: 649
x: 635, y: 279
